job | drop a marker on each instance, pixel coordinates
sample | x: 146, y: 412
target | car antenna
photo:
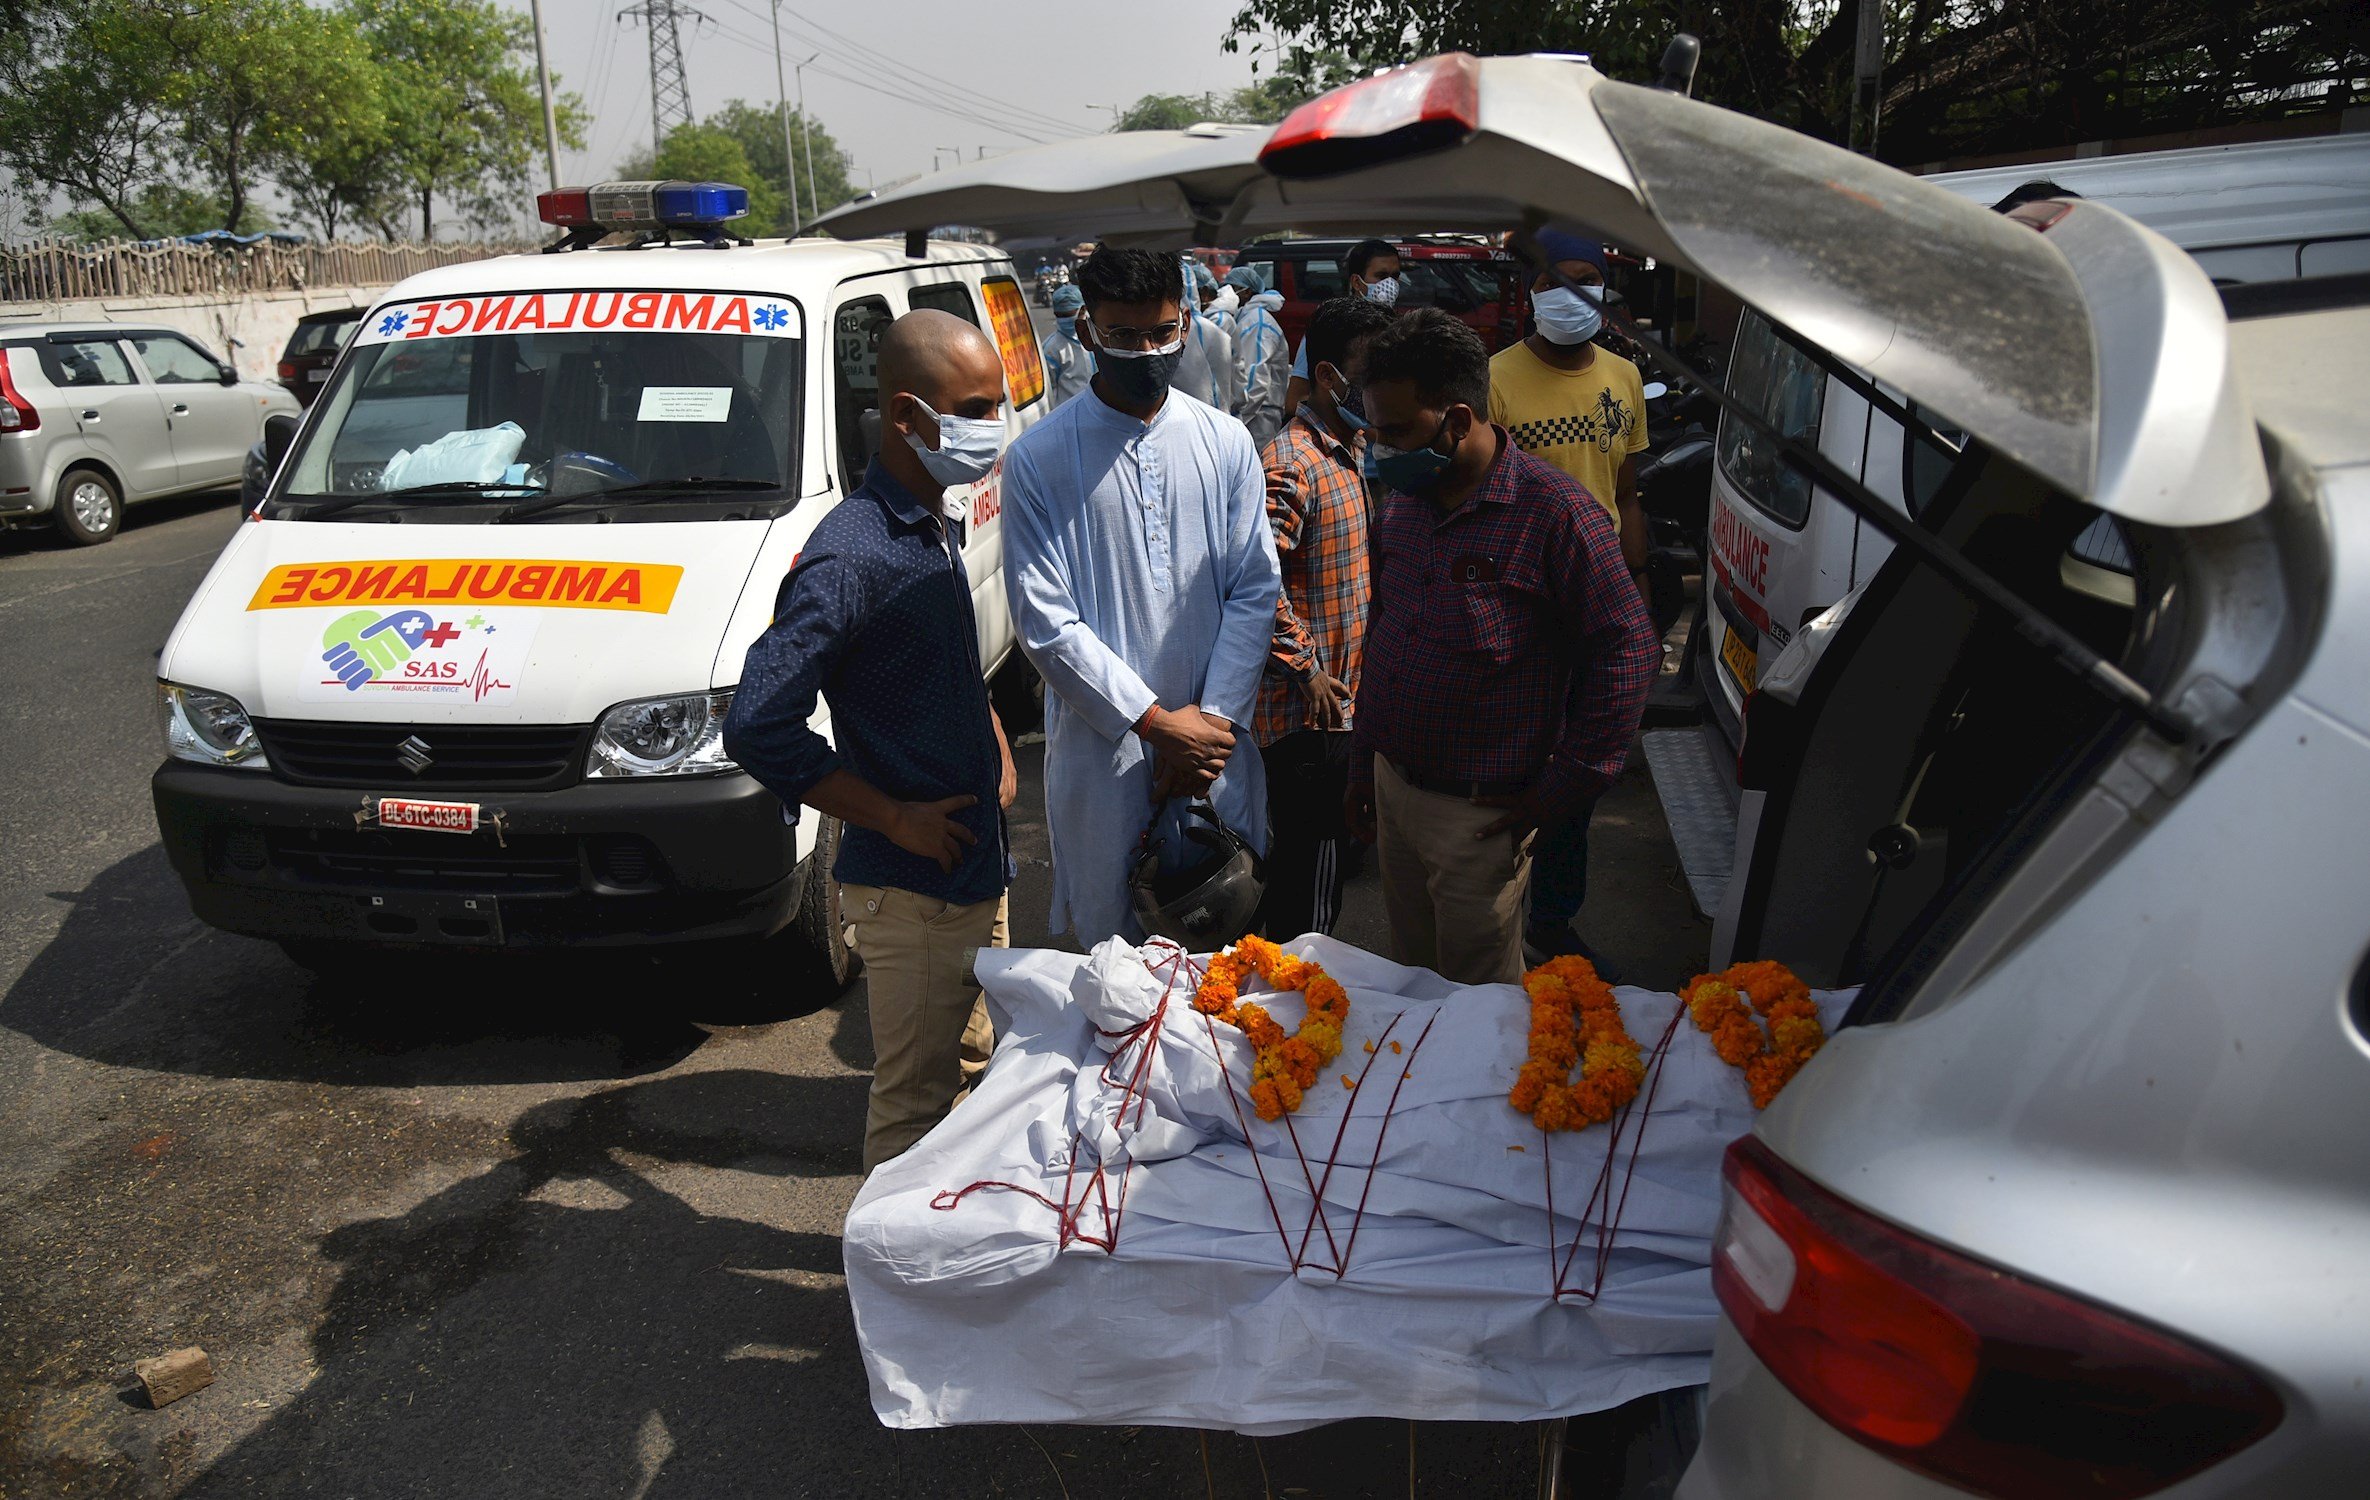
x: 1678, y: 65
x: 2071, y: 652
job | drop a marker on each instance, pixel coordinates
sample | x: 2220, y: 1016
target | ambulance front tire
x: 821, y: 925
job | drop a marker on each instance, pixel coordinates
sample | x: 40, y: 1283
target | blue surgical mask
x: 1068, y: 322
x: 1351, y: 403
x: 1566, y: 316
x: 1411, y: 471
x: 967, y: 450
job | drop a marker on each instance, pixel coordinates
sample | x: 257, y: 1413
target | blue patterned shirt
x: 875, y: 618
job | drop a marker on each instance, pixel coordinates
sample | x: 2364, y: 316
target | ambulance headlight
x: 208, y: 728
x: 680, y: 736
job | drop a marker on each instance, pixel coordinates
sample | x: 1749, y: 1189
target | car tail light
x: 16, y: 413
x: 288, y: 369
x: 1957, y: 1369
x: 1405, y: 112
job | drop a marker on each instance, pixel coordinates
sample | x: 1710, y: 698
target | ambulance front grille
x: 456, y: 755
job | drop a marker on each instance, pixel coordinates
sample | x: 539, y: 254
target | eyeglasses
x: 1158, y: 336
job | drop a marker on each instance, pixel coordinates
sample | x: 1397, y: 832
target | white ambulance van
x: 462, y: 679
x: 1781, y: 550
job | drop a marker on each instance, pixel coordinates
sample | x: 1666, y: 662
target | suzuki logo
x: 413, y: 755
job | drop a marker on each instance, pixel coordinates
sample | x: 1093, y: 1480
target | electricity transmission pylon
x: 670, y: 93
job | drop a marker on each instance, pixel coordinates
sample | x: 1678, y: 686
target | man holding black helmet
x: 1143, y: 582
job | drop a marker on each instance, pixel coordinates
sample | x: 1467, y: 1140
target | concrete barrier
x: 249, y: 328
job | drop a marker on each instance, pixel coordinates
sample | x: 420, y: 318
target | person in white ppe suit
x: 1206, y: 372
x: 1068, y: 367
x: 1260, y: 355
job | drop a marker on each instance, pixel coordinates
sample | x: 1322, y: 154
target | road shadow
x: 133, y: 980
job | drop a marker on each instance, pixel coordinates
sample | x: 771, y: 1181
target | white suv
x: 97, y: 416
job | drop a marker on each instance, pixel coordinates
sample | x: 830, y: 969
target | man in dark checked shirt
x: 1507, y: 657
x: 875, y: 617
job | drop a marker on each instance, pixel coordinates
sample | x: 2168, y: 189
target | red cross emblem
x: 441, y: 635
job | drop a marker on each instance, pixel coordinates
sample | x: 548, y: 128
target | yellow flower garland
x: 1283, y: 1067
x: 1770, y: 1058
x: 1575, y: 1019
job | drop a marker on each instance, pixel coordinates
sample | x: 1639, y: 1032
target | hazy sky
x: 1032, y: 67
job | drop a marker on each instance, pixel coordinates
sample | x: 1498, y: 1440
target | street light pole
x: 782, y: 109
x: 806, y: 131
x: 551, y: 127
x: 1116, y: 112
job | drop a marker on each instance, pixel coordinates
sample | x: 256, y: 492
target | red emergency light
x: 567, y: 207
x: 1406, y: 112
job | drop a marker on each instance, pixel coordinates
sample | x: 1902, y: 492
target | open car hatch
x: 2072, y: 341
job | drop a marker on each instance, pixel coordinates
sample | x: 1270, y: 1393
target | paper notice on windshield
x: 686, y: 403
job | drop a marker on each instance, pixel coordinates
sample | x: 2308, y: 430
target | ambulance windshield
x: 472, y: 405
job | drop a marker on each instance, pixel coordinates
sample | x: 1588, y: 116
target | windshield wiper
x: 315, y: 510
x: 648, y: 489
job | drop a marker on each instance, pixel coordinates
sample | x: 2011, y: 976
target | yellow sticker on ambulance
x: 648, y: 588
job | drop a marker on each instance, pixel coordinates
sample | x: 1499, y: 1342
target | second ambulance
x: 463, y: 679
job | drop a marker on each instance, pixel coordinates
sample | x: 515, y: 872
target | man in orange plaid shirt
x: 1318, y: 507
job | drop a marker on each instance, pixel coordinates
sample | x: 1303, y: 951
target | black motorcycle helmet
x: 1209, y: 894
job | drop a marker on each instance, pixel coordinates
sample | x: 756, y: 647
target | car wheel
x: 89, y: 507
x: 821, y: 924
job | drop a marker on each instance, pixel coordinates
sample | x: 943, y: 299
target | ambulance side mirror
x: 279, y: 435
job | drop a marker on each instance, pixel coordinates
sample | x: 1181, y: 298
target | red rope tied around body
x: 1602, y: 1191
x: 1144, y: 1036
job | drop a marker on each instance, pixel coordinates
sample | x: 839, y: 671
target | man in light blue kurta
x: 1142, y: 574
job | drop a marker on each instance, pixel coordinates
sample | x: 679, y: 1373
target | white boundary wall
x: 249, y: 328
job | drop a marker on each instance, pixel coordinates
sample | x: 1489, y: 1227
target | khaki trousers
x: 930, y: 1031
x: 1456, y: 903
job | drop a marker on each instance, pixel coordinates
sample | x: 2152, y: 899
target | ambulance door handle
x: 180, y: 408
x: 90, y: 416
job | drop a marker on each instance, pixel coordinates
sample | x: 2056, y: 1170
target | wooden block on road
x: 169, y: 1377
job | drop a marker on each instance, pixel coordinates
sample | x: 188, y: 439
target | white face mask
x: 1566, y: 316
x: 967, y: 450
x: 1383, y: 292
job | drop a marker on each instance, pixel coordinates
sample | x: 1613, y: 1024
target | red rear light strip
x: 1404, y: 112
x: 1958, y: 1369
x: 16, y: 413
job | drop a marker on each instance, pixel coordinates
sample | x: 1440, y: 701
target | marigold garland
x: 1283, y: 1068
x: 1770, y: 1056
x: 1575, y: 1019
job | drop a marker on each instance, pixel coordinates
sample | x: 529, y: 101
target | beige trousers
x: 930, y: 1031
x: 1456, y: 903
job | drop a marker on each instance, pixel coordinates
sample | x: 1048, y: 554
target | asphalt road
x: 483, y: 1229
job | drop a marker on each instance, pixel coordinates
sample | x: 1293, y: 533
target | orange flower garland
x: 1283, y: 1068
x: 1771, y: 1057
x: 1575, y: 1019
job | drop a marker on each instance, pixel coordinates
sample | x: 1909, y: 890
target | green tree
x: 707, y: 152
x: 258, y: 79
x: 757, y: 130
x: 81, y: 103
x: 1960, y: 76
x: 1261, y: 103
x: 465, y: 118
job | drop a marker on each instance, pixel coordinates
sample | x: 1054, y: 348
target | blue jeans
x: 1559, y: 869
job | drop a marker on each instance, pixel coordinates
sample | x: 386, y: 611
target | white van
x: 463, y: 680
x: 1781, y: 550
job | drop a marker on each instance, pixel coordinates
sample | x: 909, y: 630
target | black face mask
x: 1139, y: 378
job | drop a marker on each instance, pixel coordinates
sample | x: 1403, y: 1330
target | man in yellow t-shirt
x: 1567, y: 401
x: 1582, y: 409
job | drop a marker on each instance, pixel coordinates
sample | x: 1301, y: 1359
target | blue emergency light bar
x: 644, y: 205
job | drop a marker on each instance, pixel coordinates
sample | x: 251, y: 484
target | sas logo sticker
x: 415, y: 652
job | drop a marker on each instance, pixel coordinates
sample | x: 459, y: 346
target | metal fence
x: 57, y: 271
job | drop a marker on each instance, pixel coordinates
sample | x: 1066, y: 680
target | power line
x: 902, y: 82
x: 902, y: 95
